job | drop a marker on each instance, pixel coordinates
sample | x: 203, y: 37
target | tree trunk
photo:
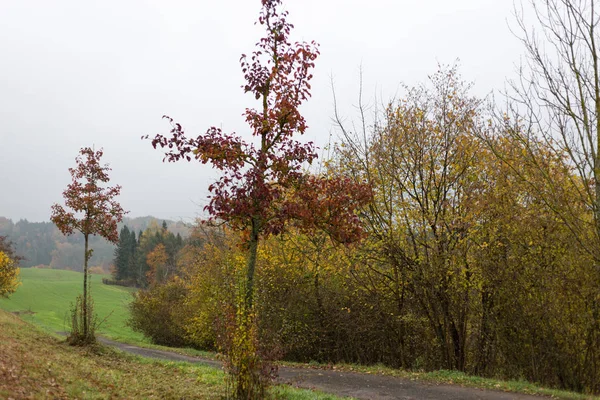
x: 85, y: 290
x: 251, y: 264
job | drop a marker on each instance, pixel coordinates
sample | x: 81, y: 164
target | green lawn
x: 46, y: 295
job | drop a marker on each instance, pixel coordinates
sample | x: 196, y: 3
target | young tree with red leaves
x: 263, y: 186
x: 263, y: 181
x: 90, y: 209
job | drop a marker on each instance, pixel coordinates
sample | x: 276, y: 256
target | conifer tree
x: 122, y: 254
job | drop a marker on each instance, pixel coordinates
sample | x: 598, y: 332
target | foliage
x: 91, y: 210
x: 212, y: 275
x: 9, y: 275
x: 96, y: 269
x: 125, y: 255
x: 557, y: 98
x: 156, y: 312
x: 155, y: 250
x: 125, y: 283
x: 157, y: 260
x: 41, y: 243
x: 421, y: 160
x: 465, y: 250
x: 554, y: 107
x: 319, y: 301
x: 206, y: 279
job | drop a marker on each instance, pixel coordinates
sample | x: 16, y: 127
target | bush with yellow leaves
x: 9, y: 275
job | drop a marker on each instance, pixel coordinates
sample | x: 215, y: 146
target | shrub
x: 158, y: 313
x: 9, y: 275
x: 78, y: 335
x: 120, y: 282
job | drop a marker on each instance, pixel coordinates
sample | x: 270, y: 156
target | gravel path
x: 357, y: 385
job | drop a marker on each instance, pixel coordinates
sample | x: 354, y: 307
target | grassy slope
x: 35, y: 365
x: 48, y: 294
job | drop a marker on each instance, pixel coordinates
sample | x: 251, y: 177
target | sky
x: 78, y: 73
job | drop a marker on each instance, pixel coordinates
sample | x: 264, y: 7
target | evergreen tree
x: 132, y: 245
x: 122, y: 257
x: 125, y: 260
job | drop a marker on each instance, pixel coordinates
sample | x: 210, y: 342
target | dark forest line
x: 42, y: 245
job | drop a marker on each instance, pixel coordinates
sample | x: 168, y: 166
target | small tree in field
x: 263, y: 186
x: 91, y: 210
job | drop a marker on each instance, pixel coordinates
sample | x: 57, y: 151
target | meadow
x: 46, y: 295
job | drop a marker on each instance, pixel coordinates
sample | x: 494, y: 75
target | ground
x: 348, y: 384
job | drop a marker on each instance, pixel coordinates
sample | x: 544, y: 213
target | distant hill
x: 42, y: 244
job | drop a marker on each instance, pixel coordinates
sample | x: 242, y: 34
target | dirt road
x: 357, y: 385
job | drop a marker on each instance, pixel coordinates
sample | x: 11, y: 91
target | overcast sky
x: 77, y: 73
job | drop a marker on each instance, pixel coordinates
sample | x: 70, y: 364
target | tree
x: 157, y: 260
x: 558, y: 92
x: 147, y: 241
x: 9, y: 275
x: 92, y: 210
x: 120, y: 261
x: 131, y: 251
x: 124, y: 260
x: 530, y: 267
x: 555, y: 102
x: 252, y: 195
x: 420, y: 159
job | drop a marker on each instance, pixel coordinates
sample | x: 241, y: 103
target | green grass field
x: 46, y: 295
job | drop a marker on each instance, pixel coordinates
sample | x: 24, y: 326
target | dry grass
x: 34, y: 365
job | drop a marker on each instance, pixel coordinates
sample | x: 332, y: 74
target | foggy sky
x: 77, y: 73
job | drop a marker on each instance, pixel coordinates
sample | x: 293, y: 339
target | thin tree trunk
x: 251, y: 264
x: 85, y: 294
